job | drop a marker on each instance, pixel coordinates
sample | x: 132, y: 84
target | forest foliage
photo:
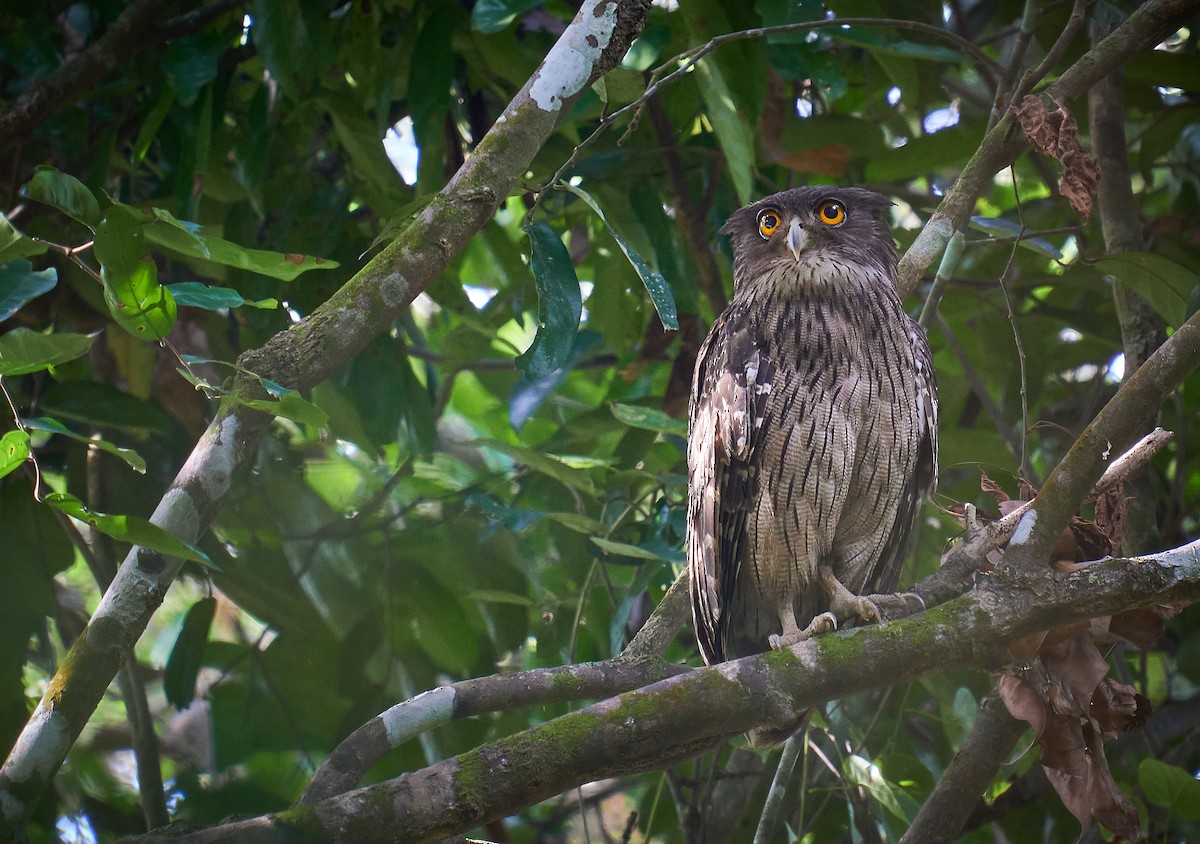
x: 497, y: 483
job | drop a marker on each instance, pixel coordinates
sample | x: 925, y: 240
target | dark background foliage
x: 457, y: 515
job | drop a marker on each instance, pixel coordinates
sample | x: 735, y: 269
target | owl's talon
x: 826, y: 622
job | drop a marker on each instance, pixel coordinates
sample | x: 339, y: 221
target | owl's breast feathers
x: 812, y: 439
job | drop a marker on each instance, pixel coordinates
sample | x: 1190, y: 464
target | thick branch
x: 656, y: 726
x: 123, y: 39
x: 301, y: 356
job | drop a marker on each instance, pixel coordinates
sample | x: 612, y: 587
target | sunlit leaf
x: 649, y: 418
x: 132, y: 529
x: 546, y: 464
x: 656, y: 285
x: 187, y: 239
x: 293, y: 406
x: 139, y: 304
x: 14, y: 449
x: 53, y: 426
x: 1007, y: 228
x: 731, y: 128
x: 23, y: 350
x: 15, y: 245
x: 560, y: 303
x: 64, y: 192
x: 19, y: 283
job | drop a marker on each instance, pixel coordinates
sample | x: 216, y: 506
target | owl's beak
x: 797, y: 238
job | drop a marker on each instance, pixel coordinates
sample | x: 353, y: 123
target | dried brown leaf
x: 1023, y: 701
x: 1055, y: 133
x: 1074, y: 668
x: 993, y: 489
x: 1140, y: 627
x: 1118, y: 708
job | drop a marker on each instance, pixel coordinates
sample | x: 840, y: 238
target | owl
x: 812, y: 427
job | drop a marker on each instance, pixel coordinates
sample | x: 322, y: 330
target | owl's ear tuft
x: 730, y: 225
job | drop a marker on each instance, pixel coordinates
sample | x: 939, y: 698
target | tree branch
x: 1148, y: 25
x: 125, y: 38
x: 300, y: 357
x: 679, y: 717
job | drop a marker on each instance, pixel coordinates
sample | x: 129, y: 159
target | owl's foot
x: 826, y: 622
x: 898, y: 604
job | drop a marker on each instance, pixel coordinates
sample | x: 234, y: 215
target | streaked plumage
x: 813, y: 426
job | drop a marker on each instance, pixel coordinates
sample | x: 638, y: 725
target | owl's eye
x: 832, y: 213
x: 768, y: 223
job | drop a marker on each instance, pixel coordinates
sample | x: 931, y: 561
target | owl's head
x: 820, y: 229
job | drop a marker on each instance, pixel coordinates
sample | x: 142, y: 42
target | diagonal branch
x: 308, y: 352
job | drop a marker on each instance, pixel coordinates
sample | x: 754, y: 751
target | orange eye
x: 768, y: 223
x: 832, y: 212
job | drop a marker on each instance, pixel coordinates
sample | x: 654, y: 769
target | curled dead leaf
x: 1055, y: 133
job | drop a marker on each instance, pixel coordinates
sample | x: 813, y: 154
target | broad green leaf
x: 731, y: 128
x: 19, y: 283
x: 14, y: 244
x: 546, y: 464
x: 53, y: 426
x: 863, y: 773
x: 624, y: 549
x: 132, y: 529
x: 1007, y: 228
x: 139, y: 304
x: 64, y: 192
x: 1170, y: 787
x: 1167, y: 286
x: 292, y: 406
x: 187, y: 657
x: 496, y: 596
x: 495, y: 15
x: 560, y: 304
x: 891, y: 46
x: 23, y: 350
x: 648, y: 418
x: 14, y: 448
x: 187, y: 239
x: 193, y: 294
x: 656, y: 285
x: 924, y: 154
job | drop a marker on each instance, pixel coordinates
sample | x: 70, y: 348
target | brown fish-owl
x: 813, y: 427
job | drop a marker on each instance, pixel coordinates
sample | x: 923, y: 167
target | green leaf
x: 14, y: 244
x: 1160, y: 281
x: 924, y: 154
x: 139, y: 304
x: 14, y: 448
x: 648, y: 418
x: 496, y: 596
x: 193, y: 294
x: 19, y: 284
x: 560, y: 304
x: 656, y: 285
x: 53, y: 426
x: 23, y: 350
x: 292, y: 406
x: 132, y: 529
x: 494, y: 15
x: 732, y: 129
x: 1007, y: 228
x: 186, y: 239
x: 623, y: 549
x: 1171, y: 787
x: 890, y: 46
x: 546, y: 464
x: 187, y: 657
x: 64, y: 192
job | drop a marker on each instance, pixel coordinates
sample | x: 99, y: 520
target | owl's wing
x: 923, y: 481
x: 729, y: 393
